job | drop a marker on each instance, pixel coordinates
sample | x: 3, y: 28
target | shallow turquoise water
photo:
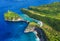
x: 27, y: 18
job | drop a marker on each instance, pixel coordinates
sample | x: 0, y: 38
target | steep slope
x: 50, y: 16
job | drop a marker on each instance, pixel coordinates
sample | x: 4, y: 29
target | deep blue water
x: 11, y: 28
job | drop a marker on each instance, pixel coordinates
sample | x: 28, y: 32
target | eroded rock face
x: 31, y: 27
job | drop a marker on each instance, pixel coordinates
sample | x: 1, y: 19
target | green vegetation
x: 50, y: 16
x: 31, y: 27
x: 9, y: 16
x: 32, y: 24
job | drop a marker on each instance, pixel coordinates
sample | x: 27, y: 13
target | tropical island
x: 50, y: 15
x: 12, y: 16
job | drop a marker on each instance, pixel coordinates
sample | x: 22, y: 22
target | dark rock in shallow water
x: 41, y: 34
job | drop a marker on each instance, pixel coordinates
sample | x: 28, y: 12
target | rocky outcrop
x: 11, y: 16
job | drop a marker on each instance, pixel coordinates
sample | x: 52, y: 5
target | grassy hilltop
x: 10, y: 16
x: 50, y: 16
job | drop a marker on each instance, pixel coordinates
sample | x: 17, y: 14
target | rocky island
x: 12, y: 16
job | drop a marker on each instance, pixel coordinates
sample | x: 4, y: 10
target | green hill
x: 50, y: 15
x: 10, y: 16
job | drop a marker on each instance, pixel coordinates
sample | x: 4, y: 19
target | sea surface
x: 7, y: 29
